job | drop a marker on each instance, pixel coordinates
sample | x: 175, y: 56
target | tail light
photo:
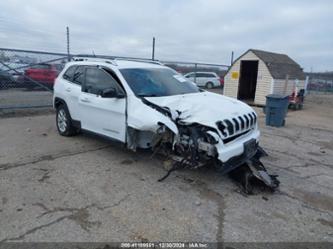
x: 221, y: 81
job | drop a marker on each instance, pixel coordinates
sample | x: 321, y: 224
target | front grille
x: 230, y: 126
x: 237, y: 126
x: 229, y: 139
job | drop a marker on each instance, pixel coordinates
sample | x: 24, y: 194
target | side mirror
x: 111, y: 93
x: 120, y: 95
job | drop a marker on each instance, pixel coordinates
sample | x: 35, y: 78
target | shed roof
x: 279, y: 65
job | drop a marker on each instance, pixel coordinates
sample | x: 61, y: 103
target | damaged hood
x: 205, y: 108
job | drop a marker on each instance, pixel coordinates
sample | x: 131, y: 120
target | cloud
x: 186, y: 30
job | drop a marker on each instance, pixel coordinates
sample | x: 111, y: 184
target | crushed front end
x: 232, y: 147
x: 198, y: 138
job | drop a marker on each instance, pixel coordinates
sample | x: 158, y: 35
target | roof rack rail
x: 140, y: 60
x: 96, y: 59
x: 112, y: 59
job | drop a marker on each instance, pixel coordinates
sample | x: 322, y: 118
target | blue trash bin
x: 276, y: 109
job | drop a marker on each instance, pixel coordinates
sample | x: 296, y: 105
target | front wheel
x: 64, y: 122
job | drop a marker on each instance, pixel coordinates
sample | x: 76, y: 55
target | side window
x: 189, y: 75
x: 97, y: 80
x: 211, y: 75
x: 204, y: 75
x: 78, y: 77
x: 200, y: 75
x: 68, y: 75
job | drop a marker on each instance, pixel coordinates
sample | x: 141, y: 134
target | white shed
x: 258, y: 73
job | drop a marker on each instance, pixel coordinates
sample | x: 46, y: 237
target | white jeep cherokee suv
x: 144, y: 104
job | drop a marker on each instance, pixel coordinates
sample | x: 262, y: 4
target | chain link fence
x: 203, y: 74
x: 320, y: 83
x: 27, y: 77
x: 320, y: 87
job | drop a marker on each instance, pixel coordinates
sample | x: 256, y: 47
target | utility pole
x: 68, y: 53
x: 232, y: 57
x: 153, y: 52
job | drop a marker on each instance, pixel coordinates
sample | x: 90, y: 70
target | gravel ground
x: 84, y: 188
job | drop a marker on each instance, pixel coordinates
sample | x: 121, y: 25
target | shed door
x: 248, y: 80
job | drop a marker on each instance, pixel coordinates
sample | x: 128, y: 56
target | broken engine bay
x: 197, y: 145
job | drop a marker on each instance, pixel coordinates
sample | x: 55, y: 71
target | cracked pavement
x: 84, y: 188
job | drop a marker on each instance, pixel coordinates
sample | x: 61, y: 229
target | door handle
x: 85, y: 100
x: 68, y: 89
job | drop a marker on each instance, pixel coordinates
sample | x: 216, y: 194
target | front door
x: 103, y: 115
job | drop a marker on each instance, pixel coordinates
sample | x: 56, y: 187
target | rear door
x: 214, y: 78
x: 105, y: 116
x: 201, y: 79
x: 74, y: 77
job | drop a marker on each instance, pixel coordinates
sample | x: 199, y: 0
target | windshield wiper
x: 147, y: 95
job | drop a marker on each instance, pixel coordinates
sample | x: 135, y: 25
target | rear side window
x: 200, y: 75
x: 68, y: 75
x: 78, y: 77
x: 205, y: 75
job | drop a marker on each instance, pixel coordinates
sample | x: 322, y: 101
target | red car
x: 222, y: 81
x: 43, y: 73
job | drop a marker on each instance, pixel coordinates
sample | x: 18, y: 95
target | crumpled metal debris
x: 253, y: 174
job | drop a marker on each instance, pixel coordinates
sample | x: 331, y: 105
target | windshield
x: 157, y: 82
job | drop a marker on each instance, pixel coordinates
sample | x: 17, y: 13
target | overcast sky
x: 186, y: 30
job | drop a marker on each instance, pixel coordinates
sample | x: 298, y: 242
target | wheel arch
x: 59, y: 101
x: 209, y: 83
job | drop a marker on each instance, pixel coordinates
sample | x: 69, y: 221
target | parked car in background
x: 205, y: 79
x: 6, y: 80
x: 43, y: 73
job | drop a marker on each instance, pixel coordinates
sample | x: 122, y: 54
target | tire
x: 209, y: 85
x: 64, y: 122
x: 298, y: 106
